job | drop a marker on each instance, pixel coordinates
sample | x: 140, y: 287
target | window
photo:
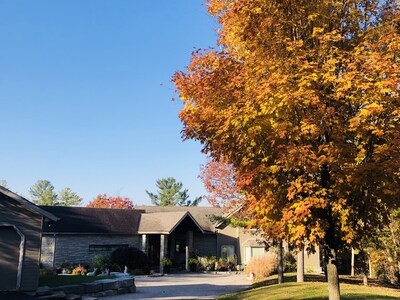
x: 227, y: 251
x: 253, y: 251
x: 105, y: 248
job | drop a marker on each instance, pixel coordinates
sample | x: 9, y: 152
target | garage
x: 10, y: 245
x: 20, y: 240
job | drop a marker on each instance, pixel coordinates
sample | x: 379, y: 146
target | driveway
x: 186, y: 286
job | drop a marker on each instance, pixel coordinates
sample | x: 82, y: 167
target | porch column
x: 163, y: 248
x: 144, y: 243
x: 189, y: 241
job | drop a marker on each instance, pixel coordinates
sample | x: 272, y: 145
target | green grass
x: 57, y: 280
x: 314, y: 290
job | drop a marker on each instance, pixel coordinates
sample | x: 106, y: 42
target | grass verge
x: 314, y: 289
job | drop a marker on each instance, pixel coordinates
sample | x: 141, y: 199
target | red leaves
x: 104, y: 201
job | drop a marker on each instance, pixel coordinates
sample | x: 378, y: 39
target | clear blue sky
x: 85, y: 94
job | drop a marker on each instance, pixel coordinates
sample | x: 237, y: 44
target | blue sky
x: 85, y: 94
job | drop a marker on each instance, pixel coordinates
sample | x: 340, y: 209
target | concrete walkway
x: 186, y: 286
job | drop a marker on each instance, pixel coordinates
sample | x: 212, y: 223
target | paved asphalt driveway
x: 186, y: 286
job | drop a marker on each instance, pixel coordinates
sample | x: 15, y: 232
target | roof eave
x: 29, y: 205
x: 183, y: 217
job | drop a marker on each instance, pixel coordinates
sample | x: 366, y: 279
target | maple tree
x: 218, y: 177
x: 104, y: 201
x: 223, y: 187
x: 302, y: 98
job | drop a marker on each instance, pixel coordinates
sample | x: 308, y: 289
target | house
x: 20, y: 239
x: 81, y: 233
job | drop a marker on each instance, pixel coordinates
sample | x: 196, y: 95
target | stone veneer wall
x: 75, y: 248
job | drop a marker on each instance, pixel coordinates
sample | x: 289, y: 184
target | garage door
x: 9, y: 258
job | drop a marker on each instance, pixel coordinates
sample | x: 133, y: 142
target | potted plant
x: 166, y: 263
x: 193, y: 261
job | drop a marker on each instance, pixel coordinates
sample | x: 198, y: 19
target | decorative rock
x: 97, y: 295
x: 109, y: 284
x: 55, y: 295
x: 89, y: 298
x: 127, y: 282
x: 132, y: 289
x: 110, y: 293
x: 73, y: 297
x: 92, y: 287
x: 122, y: 290
x: 71, y: 289
x: 44, y: 291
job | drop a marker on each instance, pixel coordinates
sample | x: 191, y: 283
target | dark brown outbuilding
x: 20, y: 240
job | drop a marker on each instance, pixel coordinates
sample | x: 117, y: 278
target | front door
x: 154, y: 250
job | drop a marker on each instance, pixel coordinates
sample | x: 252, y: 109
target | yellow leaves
x: 360, y: 155
x: 317, y: 31
x: 372, y: 108
x: 287, y: 99
x: 274, y: 169
x: 308, y: 128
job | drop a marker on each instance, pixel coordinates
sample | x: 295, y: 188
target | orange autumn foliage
x: 104, y: 201
x: 302, y: 99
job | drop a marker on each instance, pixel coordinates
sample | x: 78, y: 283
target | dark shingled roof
x: 165, y: 222
x: 202, y: 215
x: 83, y: 220
x: 26, y: 203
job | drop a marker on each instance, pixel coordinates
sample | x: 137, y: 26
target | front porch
x: 169, y: 235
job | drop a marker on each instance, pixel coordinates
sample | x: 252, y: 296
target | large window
x: 105, y: 248
x: 227, y: 251
x: 253, y: 251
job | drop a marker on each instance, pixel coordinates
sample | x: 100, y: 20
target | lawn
x: 57, y: 280
x: 314, y: 290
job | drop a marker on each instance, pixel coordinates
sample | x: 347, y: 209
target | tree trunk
x: 333, y: 277
x: 352, y: 261
x: 280, y: 262
x: 365, y: 260
x: 300, y: 265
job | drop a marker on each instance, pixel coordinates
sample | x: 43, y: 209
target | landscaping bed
x: 72, y: 287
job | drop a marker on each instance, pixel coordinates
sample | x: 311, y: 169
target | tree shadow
x: 321, y: 278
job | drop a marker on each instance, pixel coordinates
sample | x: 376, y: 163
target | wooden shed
x: 20, y: 240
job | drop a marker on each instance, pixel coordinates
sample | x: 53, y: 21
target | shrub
x: 166, y: 262
x: 101, y: 262
x: 207, y: 262
x: 262, y: 266
x: 290, y: 263
x: 131, y: 257
x: 221, y: 265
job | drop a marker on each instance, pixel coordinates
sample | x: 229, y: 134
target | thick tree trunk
x: 300, y: 265
x: 333, y: 277
x: 280, y: 262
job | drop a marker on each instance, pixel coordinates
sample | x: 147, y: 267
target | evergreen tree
x: 170, y: 193
x: 42, y: 193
